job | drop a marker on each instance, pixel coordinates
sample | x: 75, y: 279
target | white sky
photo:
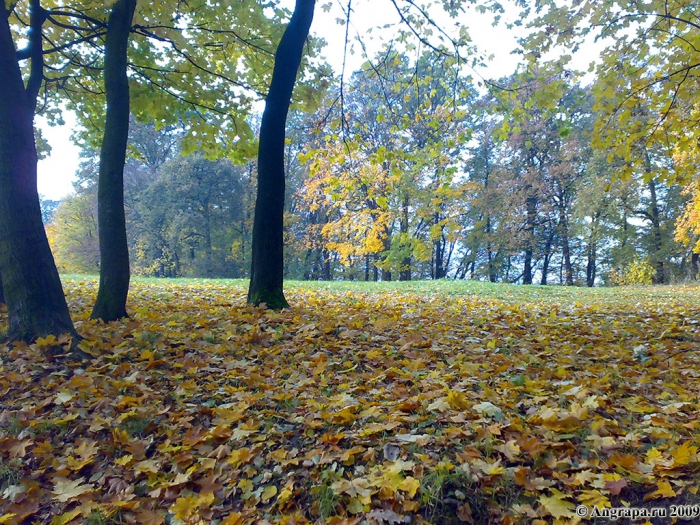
x: 57, y: 172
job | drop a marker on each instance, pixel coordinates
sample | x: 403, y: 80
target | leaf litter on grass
x: 352, y: 407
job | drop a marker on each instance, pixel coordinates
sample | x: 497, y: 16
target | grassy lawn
x: 422, y: 402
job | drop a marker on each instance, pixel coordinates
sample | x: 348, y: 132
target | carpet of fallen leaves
x: 355, y: 406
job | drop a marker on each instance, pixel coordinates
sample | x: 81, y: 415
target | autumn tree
x: 267, y: 267
x: 32, y: 288
x: 114, y: 253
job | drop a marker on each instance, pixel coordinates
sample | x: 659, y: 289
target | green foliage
x: 645, y: 90
x: 10, y: 472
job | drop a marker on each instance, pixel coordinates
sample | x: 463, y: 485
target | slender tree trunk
x: 267, y: 268
x: 35, y: 301
x: 208, y: 250
x: 114, y: 250
x: 545, y: 262
x: 694, y: 265
x: 493, y: 277
x: 566, y: 249
x: 591, y: 265
x: 657, y: 256
x: 531, y: 204
x: 405, y: 272
x: 326, y: 260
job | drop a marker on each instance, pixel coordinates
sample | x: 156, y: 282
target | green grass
x: 508, y: 293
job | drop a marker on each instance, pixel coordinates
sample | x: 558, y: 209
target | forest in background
x: 411, y: 170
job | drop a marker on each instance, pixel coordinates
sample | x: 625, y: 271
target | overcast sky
x: 57, y: 172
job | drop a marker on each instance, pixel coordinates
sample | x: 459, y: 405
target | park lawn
x: 423, y: 402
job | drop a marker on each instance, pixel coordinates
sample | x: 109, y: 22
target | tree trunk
x: 591, y: 265
x: 566, y: 250
x: 405, y: 271
x: 114, y: 250
x: 326, y: 261
x: 531, y: 205
x: 694, y: 265
x: 267, y: 268
x: 545, y: 261
x: 208, y: 249
x: 657, y: 257
x: 493, y: 277
x: 35, y: 301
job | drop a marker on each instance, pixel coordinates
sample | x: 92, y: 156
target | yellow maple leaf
x: 556, y: 505
x: 188, y: 507
x: 653, y: 455
x: 490, y: 469
x: 410, y: 486
x: 663, y: 490
x: 235, y: 518
x: 594, y: 498
x: 269, y: 493
x: 65, y: 490
x: 684, y: 454
x: 5, y: 518
x: 456, y: 400
x: 124, y: 460
x: 285, y: 494
x: 64, y: 518
x: 49, y: 340
x: 510, y: 449
x: 87, y: 448
x: 239, y: 457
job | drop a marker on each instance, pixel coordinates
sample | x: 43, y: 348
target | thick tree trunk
x: 35, y: 301
x: 114, y: 250
x: 267, y: 268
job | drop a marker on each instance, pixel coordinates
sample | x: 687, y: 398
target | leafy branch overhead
x: 202, y: 64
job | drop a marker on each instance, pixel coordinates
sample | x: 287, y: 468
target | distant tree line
x: 405, y: 181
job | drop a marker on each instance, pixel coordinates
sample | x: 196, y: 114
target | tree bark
x: 547, y: 258
x: 591, y: 265
x: 114, y: 250
x: 566, y: 249
x: 657, y: 257
x: 35, y: 301
x: 531, y: 205
x: 405, y: 270
x: 267, y: 268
